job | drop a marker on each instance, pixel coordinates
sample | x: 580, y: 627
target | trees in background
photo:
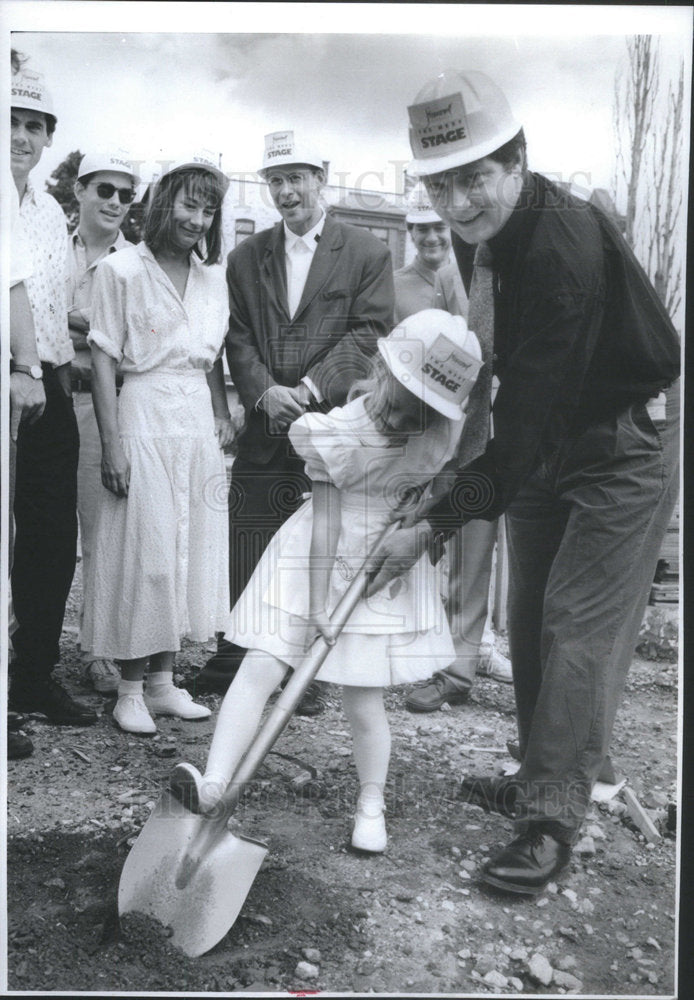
x: 63, y: 180
x: 648, y: 112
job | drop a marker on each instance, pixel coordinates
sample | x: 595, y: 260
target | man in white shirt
x: 47, y: 449
x: 105, y: 189
x: 308, y: 299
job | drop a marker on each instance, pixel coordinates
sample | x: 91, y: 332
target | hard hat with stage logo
x: 202, y: 159
x: 29, y: 92
x: 436, y: 357
x: 282, y: 149
x: 457, y: 118
x: 112, y: 161
x: 419, y: 208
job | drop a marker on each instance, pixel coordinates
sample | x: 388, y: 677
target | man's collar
x: 506, y: 237
x: 309, y: 238
x: 29, y: 192
x: 116, y: 244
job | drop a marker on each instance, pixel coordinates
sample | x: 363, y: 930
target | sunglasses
x: 107, y: 191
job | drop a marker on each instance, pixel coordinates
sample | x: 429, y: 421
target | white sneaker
x: 369, y: 832
x: 175, y: 701
x: 494, y: 664
x: 130, y: 712
x: 103, y: 675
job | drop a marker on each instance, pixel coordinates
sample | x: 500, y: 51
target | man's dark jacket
x: 346, y: 305
x: 579, y: 335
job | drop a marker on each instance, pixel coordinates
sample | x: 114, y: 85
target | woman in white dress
x: 160, y: 571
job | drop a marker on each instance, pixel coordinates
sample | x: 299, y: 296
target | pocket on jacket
x: 336, y: 293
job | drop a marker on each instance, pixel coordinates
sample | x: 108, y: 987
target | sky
x: 223, y: 75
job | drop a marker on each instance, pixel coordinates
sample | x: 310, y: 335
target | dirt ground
x: 413, y: 921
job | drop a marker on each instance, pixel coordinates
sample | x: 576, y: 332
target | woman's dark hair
x: 197, y: 183
x: 512, y: 151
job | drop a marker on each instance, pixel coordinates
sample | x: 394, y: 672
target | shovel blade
x: 202, y: 906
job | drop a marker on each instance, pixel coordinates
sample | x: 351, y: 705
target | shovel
x: 189, y: 871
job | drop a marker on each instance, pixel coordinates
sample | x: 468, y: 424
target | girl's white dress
x: 159, y: 569
x: 397, y: 636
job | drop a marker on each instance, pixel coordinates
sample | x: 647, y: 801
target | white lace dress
x: 159, y: 569
x: 397, y: 636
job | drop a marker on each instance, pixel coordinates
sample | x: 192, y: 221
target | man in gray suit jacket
x: 308, y: 299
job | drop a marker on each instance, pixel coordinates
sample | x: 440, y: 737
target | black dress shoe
x: 226, y: 660
x: 207, y: 683
x: 497, y: 795
x: 49, y: 698
x: 18, y: 746
x: 219, y: 671
x: 311, y: 703
x: 528, y: 863
x: 15, y: 721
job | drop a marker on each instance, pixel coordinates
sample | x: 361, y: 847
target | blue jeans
x: 584, y: 535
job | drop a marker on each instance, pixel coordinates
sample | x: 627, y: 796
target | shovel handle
x: 296, y: 686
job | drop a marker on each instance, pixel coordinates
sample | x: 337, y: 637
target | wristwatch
x: 34, y: 370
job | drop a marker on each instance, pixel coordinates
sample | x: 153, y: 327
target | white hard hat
x: 457, y: 118
x: 29, y: 92
x: 203, y: 160
x: 419, y: 209
x: 281, y: 149
x: 115, y: 161
x: 436, y: 357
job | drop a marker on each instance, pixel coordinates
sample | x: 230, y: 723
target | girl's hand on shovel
x: 323, y: 626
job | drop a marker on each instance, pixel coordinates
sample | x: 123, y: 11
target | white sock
x: 126, y: 688
x: 159, y: 681
x: 367, y: 718
x: 370, y: 801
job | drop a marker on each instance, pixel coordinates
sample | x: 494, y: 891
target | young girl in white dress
x: 159, y: 570
x: 396, y: 435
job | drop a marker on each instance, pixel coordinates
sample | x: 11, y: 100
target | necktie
x: 473, y: 440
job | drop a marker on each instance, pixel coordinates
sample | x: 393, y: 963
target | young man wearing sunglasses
x: 105, y: 189
x: 47, y: 449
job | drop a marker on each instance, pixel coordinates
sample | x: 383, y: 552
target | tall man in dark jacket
x: 579, y: 342
x: 308, y: 299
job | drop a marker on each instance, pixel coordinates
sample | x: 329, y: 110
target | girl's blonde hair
x: 375, y: 382
x: 378, y: 371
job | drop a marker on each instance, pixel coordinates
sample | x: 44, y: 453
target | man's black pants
x: 261, y: 499
x: 45, y: 544
x: 584, y: 535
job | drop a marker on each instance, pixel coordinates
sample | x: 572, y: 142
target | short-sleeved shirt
x: 20, y: 253
x: 80, y: 284
x: 45, y: 231
x: 139, y: 319
x: 417, y: 287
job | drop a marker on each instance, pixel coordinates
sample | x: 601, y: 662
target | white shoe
x: 103, y: 675
x: 494, y: 664
x: 191, y: 788
x: 175, y: 701
x: 130, y: 712
x: 369, y: 832
x: 185, y: 784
